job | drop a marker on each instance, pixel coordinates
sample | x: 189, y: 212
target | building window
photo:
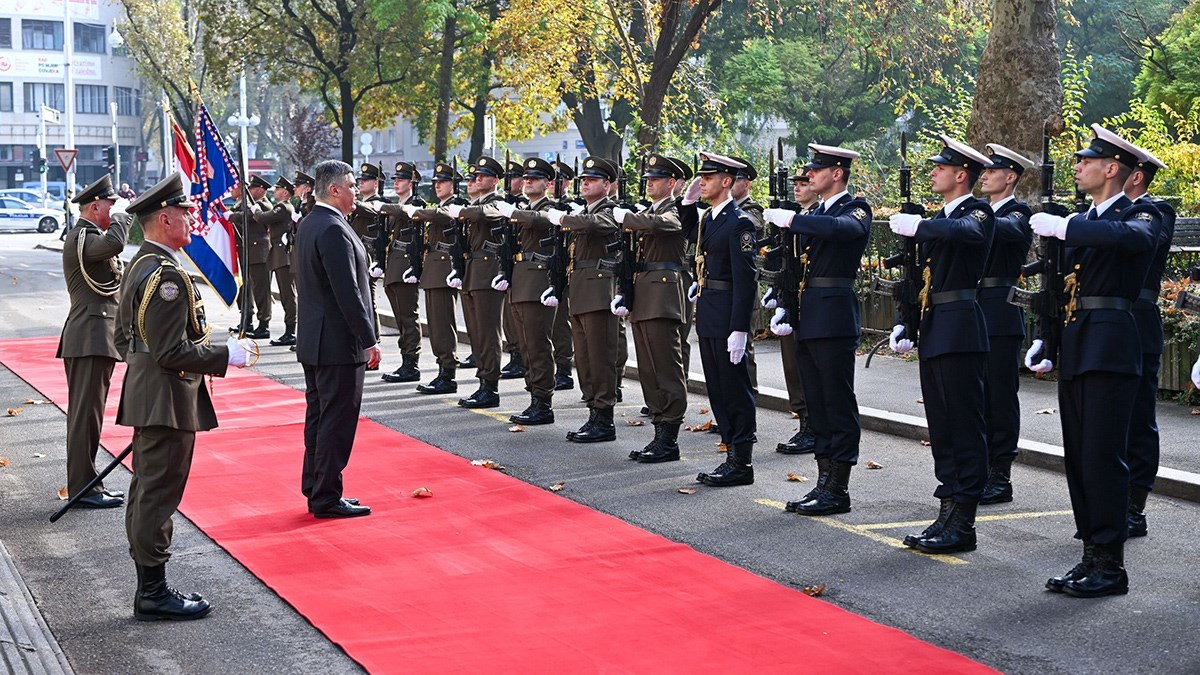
x: 5, y: 33
x: 42, y: 35
x: 128, y: 100
x: 38, y: 94
x: 6, y: 97
x: 89, y: 38
x: 91, y: 98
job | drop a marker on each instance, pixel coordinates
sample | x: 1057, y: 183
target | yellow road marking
x: 863, y: 531
x: 1002, y: 516
x: 494, y: 414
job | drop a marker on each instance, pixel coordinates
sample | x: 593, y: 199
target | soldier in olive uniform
x: 402, y: 249
x: 658, y: 307
x: 162, y: 331
x: 304, y: 195
x: 92, y: 270
x: 514, y: 194
x: 241, y: 214
x: 564, y: 348
x: 280, y: 222
x: 594, y: 329
x: 258, y: 255
x: 437, y: 271
x: 366, y: 223
x: 534, y: 321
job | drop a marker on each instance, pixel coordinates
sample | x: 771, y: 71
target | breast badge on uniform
x: 169, y: 291
x: 747, y: 242
x: 979, y: 215
x: 859, y: 214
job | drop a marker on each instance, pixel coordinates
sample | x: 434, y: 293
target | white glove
x: 376, y: 271
x: 452, y: 279
x: 286, y: 239
x: 295, y: 216
x: 121, y: 205
x: 409, y: 209
x: 408, y: 277
x: 548, y: 298
x: 694, y: 291
x: 577, y: 208
x: 620, y: 213
x: 896, y: 344
x: 778, y: 325
x: 768, y: 299
x: 1047, y: 225
x: 904, y: 224
x: 505, y: 208
x: 692, y: 194
x: 617, y: 308
x: 736, y: 344
x: 1196, y: 373
x: 781, y: 218
x: 1043, y: 366
x: 454, y: 210
x: 555, y: 216
x: 239, y: 351
x: 499, y: 283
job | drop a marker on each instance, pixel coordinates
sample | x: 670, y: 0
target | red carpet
x: 491, y: 574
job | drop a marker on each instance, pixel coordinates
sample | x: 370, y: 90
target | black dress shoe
x: 292, y: 348
x: 100, y: 500
x: 285, y: 339
x: 563, y: 382
x: 260, y: 333
x: 645, y: 411
x: 114, y: 493
x: 350, y: 500
x: 407, y: 372
x: 344, y: 509
x: 442, y: 384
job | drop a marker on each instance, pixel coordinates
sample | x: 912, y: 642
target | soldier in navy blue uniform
x: 827, y: 330
x: 1143, y: 427
x: 953, y: 245
x: 726, y: 286
x: 1005, y: 321
x: 1107, y: 254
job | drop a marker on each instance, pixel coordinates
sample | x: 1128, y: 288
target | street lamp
x: 242, y: 122
x: 112, y: 108
x: 115, y: 39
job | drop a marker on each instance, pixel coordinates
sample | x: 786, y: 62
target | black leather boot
x: 514, y: 369
x: 563, y: 380
x: 442, y: 384
x: 468, y: 362
x: 910, y: 540
x: 667, y: 447
x: 1075, y: 573
x: 407, y: 372
x: 155, y: 600
x: 998, y: 489
x: 1105, y: 576
x: 824, y: 465
x: 288, y: 337
x: 803, y: 442
x: 1137, y: 510
x: 538, y: 412
x: 602, y: 429
x: 587, y: 426
x: 738, y: 468
x: 634, y: 454
x: 957, y: 535
x: 835, y: 498
x: 261, y: 333
x: 484, y: 397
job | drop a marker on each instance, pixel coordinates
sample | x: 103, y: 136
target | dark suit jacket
x: 727, y: 243
x: 335, y: 326
x: 1010, y: 249
x: 834, y: 241
x: 955, y: 247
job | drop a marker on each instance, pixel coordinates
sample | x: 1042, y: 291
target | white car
x: 18, y: 215
x: 32, y: 197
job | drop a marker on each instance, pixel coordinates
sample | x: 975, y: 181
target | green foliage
x: 1170, y: 135
x: 1170, y: 72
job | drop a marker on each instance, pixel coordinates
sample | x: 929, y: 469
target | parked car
x: 30, y: 196
x: 19, y: 215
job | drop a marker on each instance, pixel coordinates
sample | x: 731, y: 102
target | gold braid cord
x: 105, y: 289
x: 194, y: 305
x: 928, y: 276
x: 1070, y: 287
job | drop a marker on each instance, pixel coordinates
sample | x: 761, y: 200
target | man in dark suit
x: 1005, y: 321
x: 827, y: 330
x: 335, y: 339
x: 725, y: 287
x: 1108, y: 252
x: 954, y: 343
x: 92, y: 271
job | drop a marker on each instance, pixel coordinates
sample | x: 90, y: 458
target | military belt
x: 1148, y: 295
x: 716, y: 284
x: 828, y: 282
x: 443, y: 247
x: 996, y: 282
x: 532, y: 256
x: 1102, y: 302
x: 952, y: 296
x: 602, y: 263
x: 492, y: 247
x: 399, y: 245
x: 660, y: 266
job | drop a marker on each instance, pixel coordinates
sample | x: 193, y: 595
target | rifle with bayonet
x: 507, y: 231
x: 462, y: 246
x: 777, y: 264
x: 906, y: 290
x: 1049, y: 303
x: 783, y: 190
x: 560, y: 260
x: 626, y: 245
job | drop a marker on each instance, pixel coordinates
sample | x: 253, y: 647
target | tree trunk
x: 346, y: 93
x: 1018, y: 89
x: 478, y: 126
x: 441, y: 133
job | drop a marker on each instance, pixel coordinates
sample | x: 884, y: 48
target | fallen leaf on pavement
x: 557, y: 487
x: 1196, y: 411
x: 422, y: 492
x: 62, y: 493
x: 39, y: 455
x: 1045, y: 411
x: 872, y: 464
x: 795, y: 416
x: 921, y: 400
x: 926, y: 443
x: 701, y: 427
x: 3, y: 462
x: 814, y: 591
x: 636, y: 423
x: 36, y: 401
x: 516, y: 428
x: 721, y: 447
x: 13, y: 412
x: 487, y: 464
x: 704, y: 411
x: 687, y: 491
x: 797, y: 478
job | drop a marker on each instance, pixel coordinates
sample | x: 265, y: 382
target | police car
x: 16, y: 214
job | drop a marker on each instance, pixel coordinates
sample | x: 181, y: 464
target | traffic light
x: 41, y: 161
x: 35, y: 160
x: 110, y: 157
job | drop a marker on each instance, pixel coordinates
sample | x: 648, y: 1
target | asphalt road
x: 989, y: 604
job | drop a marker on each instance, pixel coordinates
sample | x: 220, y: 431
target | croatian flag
x: 213, y: 248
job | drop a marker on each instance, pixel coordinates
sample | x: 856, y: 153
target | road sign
x: 51, y: 115
x: 66, y: 157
